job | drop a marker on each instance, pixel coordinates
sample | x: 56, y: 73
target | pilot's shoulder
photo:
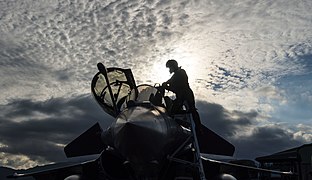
x: 180, y: 72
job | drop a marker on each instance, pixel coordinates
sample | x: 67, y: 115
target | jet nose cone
x: 140, y: 134
x: 140, y: 119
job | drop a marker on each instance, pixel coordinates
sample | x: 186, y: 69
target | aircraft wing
x: 87, y: 143
x: 58, y: 170
x: 212, y: 143
x: 248, y: 167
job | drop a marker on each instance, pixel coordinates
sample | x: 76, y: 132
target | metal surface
x: 144, y: 134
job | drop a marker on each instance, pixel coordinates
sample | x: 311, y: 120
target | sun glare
x: 187, y: 61
x: 162, y: 74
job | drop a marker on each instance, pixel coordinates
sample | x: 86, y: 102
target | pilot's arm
x: 166, y: 85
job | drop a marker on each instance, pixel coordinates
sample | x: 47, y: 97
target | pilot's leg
x: 176, y: 106
x: 192, y: 109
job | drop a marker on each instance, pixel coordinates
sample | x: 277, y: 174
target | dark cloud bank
x: 244, y: 132
x: 36, y: 129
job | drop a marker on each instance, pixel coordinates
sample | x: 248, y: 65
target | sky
x: 249, y: 64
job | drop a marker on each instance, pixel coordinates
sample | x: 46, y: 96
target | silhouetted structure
x: 297, y: 160
x: 143, y: 142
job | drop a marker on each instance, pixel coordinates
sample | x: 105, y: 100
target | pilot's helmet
x: 172, y: 65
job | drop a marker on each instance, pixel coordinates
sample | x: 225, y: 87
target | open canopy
x: 111, y: 89
x: 114, y: 87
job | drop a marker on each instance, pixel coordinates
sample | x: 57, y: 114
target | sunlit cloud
x: 19, y: 161
x: 249, y: 61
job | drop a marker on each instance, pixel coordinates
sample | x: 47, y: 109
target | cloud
x: 248, y: 134
x: 38, y: 131
x: 20, y: 161
x: 249, y: 60
x: 224, y: 122
x: 35, y: 132
x: 56, y: 45
x: 266, y: 140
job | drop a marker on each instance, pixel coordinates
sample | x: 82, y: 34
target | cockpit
x: 115, y: 89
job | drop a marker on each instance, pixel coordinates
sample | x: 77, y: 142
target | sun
x: 161, y: 72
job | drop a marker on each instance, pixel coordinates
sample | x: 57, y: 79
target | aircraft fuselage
x: 144, y: 135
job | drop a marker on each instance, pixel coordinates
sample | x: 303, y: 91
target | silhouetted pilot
x: 178, y: 84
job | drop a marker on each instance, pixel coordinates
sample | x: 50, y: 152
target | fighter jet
x: 144, y: 142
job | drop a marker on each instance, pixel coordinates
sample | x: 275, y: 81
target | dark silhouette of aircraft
x: 143, y: 143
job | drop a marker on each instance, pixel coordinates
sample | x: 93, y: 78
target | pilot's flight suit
x: 178, y: 84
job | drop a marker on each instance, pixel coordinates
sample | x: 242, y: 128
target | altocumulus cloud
x: 244, y: 56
